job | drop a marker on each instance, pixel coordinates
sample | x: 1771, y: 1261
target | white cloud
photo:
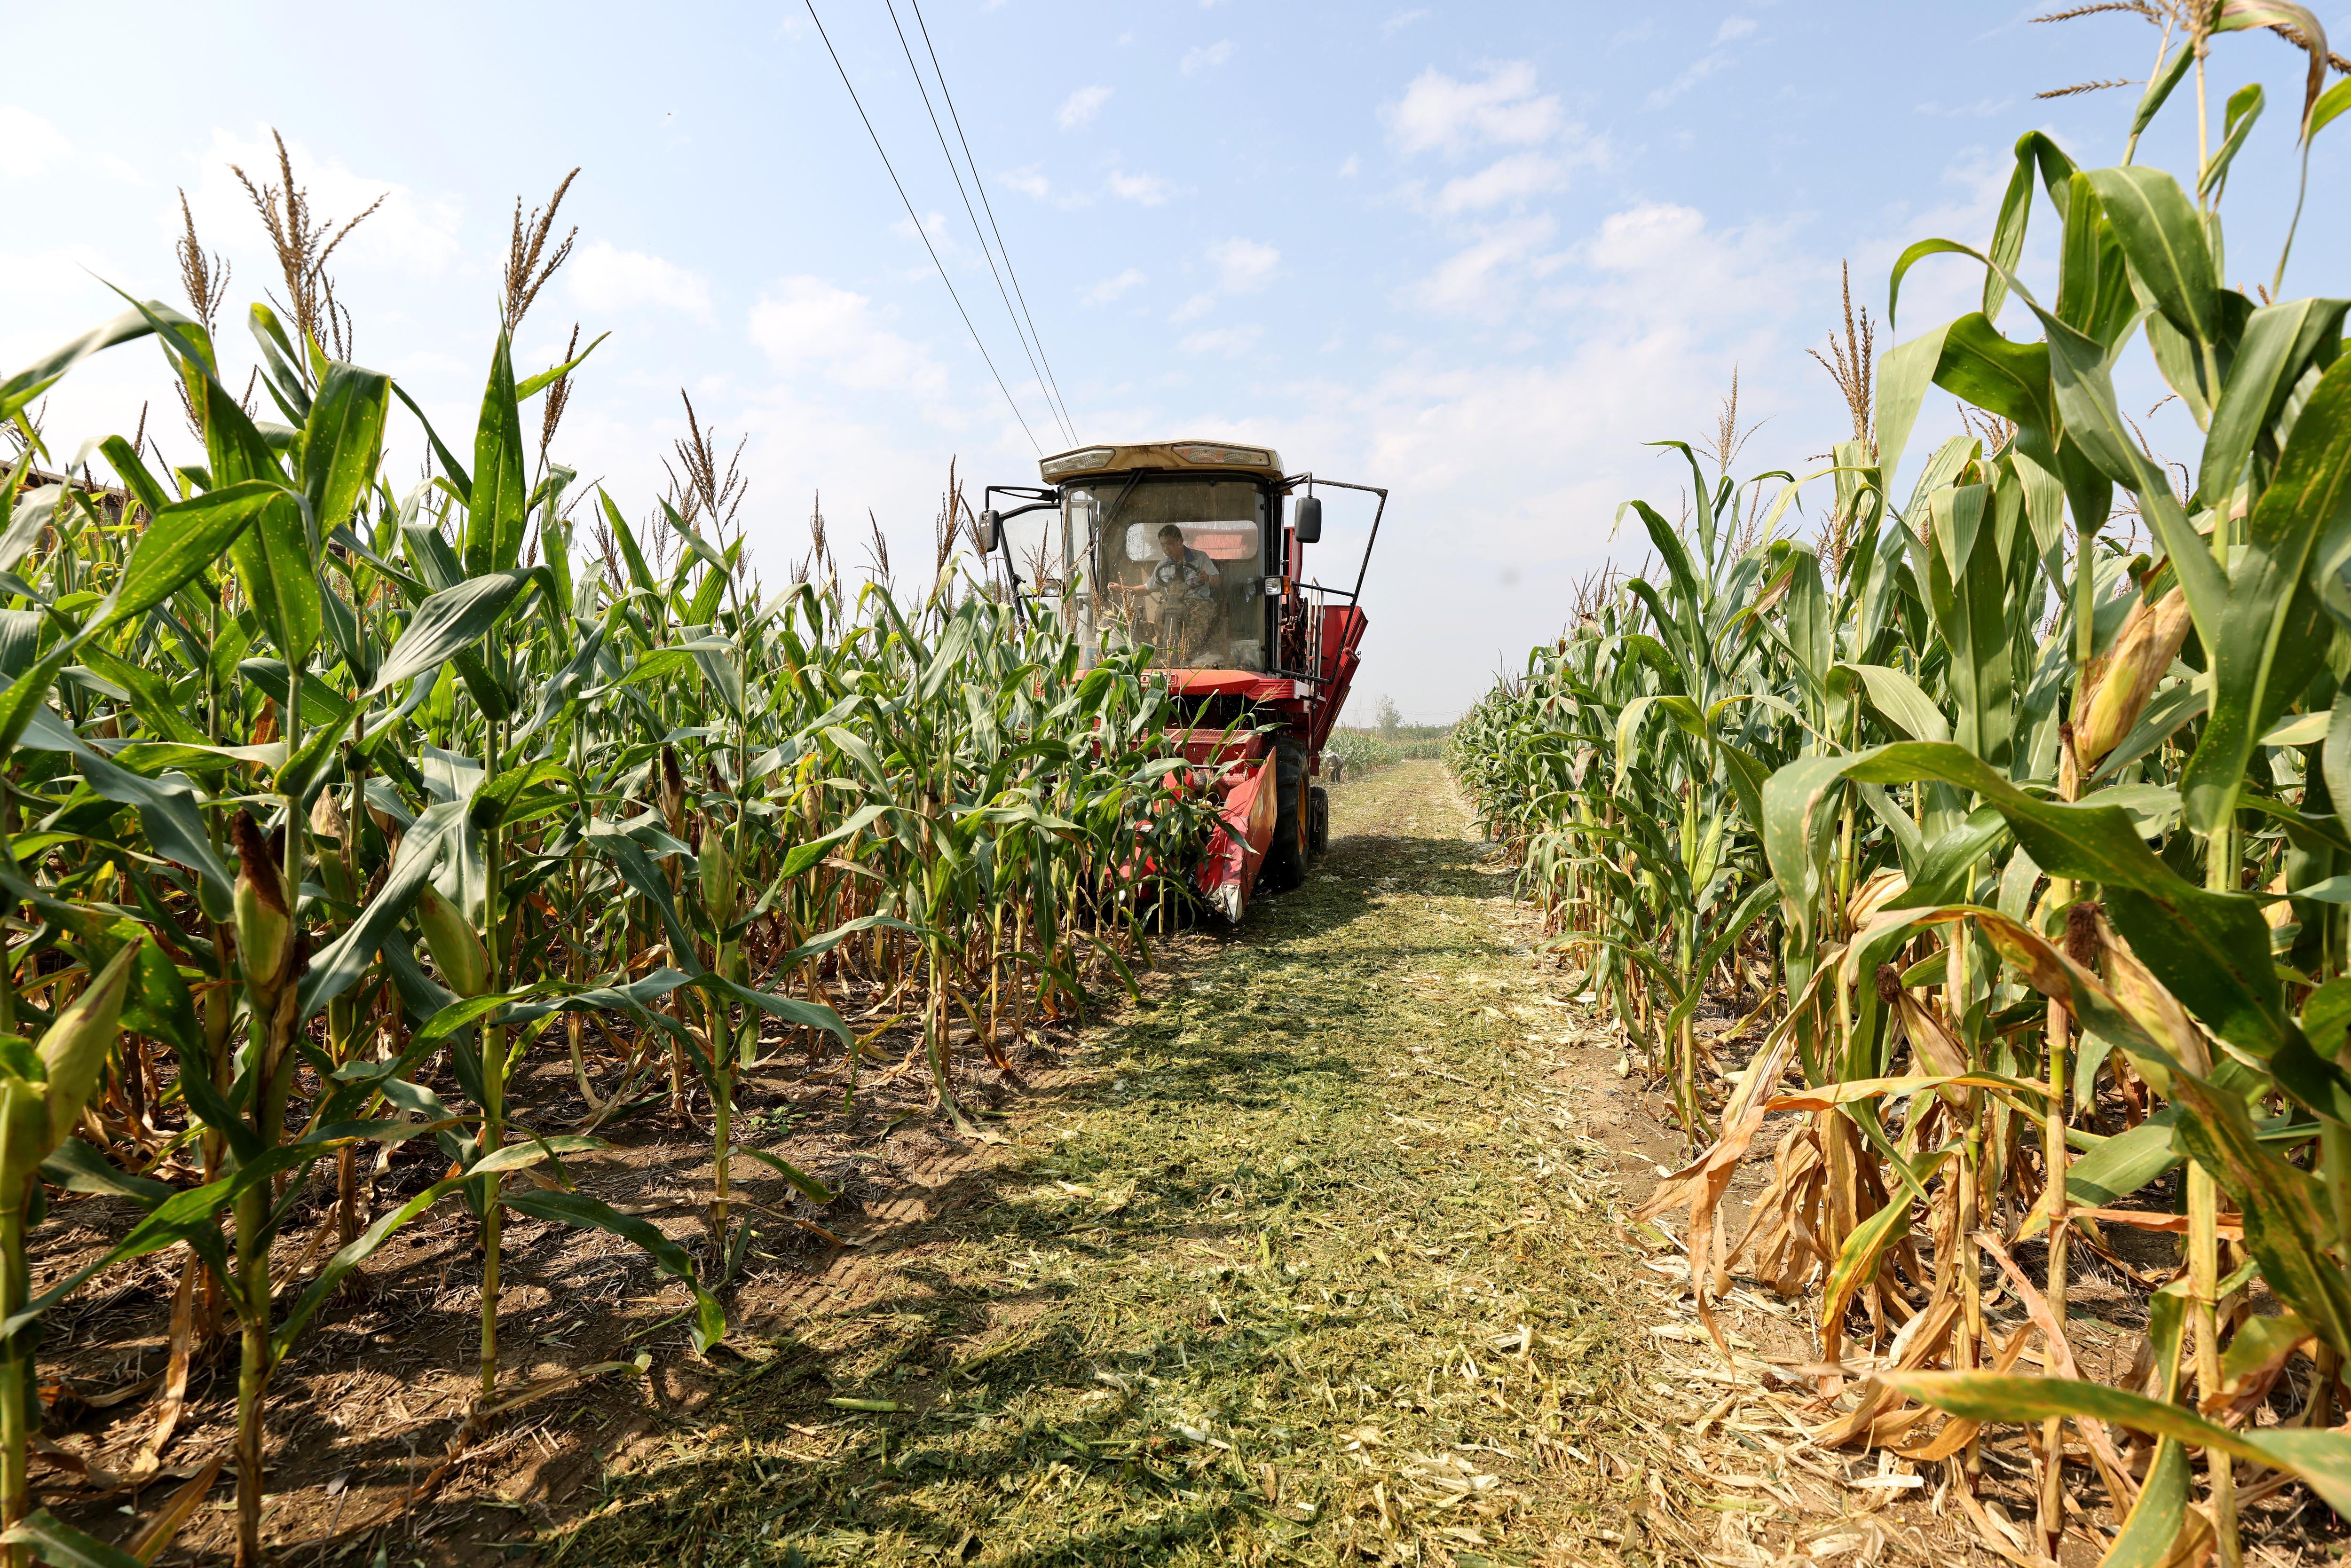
x: 1656, y: 308
x: 1642, y: 236
x: 1728, y: 280
x: 1147, y: 189
x: 1207, y: 56
x: 804, y: 322
x: 1231, y: 342
x: 1511, y: 179
x: 1732, y: 30
x: 1400, y: 21
x: 605, y: 277
x: 1440, y: 113
x: 1081, y: 107
x: 935, y: 228
x: 1110, y: 288
x: 1129, y: 185
x: 1982, y: 109
x: 1027, y: 182
x: 29, y: 145
x: 1243, y: 266
x: 1697, y: 71
x: 813, y: 445
x: 1502, y: 431
x: 1481, y: 277
x: 1351, y: 167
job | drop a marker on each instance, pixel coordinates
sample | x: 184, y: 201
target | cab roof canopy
x: 1176, y: 457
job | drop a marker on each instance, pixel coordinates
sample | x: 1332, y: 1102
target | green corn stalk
x: 44, y: 1087
x: 412, y: 774
x: 2032, y: 781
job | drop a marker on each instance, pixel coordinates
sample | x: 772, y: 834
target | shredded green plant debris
x: 1299, y: 1273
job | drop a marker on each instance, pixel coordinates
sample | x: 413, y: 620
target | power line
x: 989, y: 209
x: 920, y: 232
x: 956, y: 175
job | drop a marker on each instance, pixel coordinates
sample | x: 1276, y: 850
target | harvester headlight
x: 1078, y: 462
x: 1253, y: 456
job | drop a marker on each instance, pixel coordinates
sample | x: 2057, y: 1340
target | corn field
x: 2020, y: 808
x: 317, y: 791
x: 1352, y: 753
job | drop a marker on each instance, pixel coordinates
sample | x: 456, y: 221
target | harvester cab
x: 1197, y: 549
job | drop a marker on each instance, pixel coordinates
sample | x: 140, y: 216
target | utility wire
x: 921, y: 232
x: 956, y: 175
x: 989, y: 209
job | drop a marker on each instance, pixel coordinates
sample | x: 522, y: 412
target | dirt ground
x: 1316, y: 1255
x: 1303, y: 1260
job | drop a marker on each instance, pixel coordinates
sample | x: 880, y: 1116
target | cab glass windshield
x: 1180, y: 566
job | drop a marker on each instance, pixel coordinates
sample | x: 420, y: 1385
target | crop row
x: 2020, y: 806
x: 319, y: 795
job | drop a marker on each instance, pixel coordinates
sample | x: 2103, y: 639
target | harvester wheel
x: 1318, y: 821
x: 1285, y: 858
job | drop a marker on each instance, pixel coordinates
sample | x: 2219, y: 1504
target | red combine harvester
x: 1184, y: 545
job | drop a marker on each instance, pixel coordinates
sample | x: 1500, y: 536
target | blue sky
x: 1476, y: 253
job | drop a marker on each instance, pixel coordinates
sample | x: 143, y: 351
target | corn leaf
x: 2321, y: 1459
x: 496, y: 504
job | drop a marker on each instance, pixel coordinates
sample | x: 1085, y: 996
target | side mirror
x: 991, y: 531
x: 1306, y: 519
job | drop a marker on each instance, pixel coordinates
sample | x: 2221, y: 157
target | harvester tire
x: 1318, y: 821
x: 1285, y: 858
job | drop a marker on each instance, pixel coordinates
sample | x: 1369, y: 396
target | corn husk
x: 75, y: 1048
x: 2123, y: 682
x: 456, y: 948
x: 717, y: 867
x: 265, y: 930
x: 23, y: 1131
